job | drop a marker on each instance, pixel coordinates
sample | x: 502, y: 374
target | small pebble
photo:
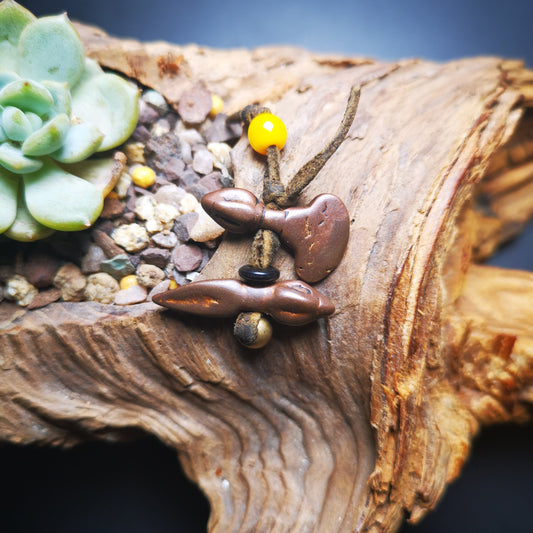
x: 170, y: 194
x: 211, y: 182
x: 92, y: 259
x: 149, y: 276
x: 107, y: 244
x: 202, y: 162
x: 161, y: 127
x: 135, y: 152
x: 141, y: 134
x: 191, y: 137
x: 156, y: 256
x: 195, y: 104
x: 44, y: 298
x: 40, y: 268
x: 188, y: 204
x: 147, y: 113
x: 118, y: 266
x: 128, y: 281
x: 166, y: 239
x: 221, y: 153
x: 133, y: 295
x: 186, y: 153
x: 156, y: 100
x: 143, y: 176
x: 71, y: 282
x: 174, y: 169
x: 20, y: 290
x: 101, y: 287
x: 205, y: 228
x: 159, y: 288
x: 183, y: 225
x: 113, y: 208
x: 191, y: 276
x: 123, y: 183
x: 187, y: 257
x: 132, y: 237
x: 221, y: 131
x: 144, y: 207
x: 165, y: 214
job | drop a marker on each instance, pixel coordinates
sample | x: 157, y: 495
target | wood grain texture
x: 349, y: 423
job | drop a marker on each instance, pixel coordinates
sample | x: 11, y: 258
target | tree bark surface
x: 350, y: 423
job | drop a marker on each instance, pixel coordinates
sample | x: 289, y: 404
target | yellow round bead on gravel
x: 266, y: 130
x: 143, y: 176
x: 128, y: 281
x: 217, y: 105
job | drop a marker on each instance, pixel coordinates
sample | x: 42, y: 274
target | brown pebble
x: 44, y: 298
x: 221, y: 131
x: 187, y: 257
x: 149, y: 276
x: 40, y: 268
x: 92, y: 259
x: 133, y: 295
x: 195, y: 104
x: 107, y: 244
x: 184, y: 224
x: 211, y: 182
x: 113, y: 208
x: 156, y: 256
x: 71, y: 282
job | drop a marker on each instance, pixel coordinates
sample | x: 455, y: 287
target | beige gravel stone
x: 101, y: 288
x: 20, y: 290
x: 71, y: 282
x: 131, y: 237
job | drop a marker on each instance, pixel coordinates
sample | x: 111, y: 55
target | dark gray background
x: 139, y: 488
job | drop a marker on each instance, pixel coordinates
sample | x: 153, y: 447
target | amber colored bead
x: 257, y: 275
x: 266, y: 130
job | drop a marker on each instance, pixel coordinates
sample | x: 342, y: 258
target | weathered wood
x: 347, y: 423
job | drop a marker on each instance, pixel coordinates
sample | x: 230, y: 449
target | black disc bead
x: 257, y: 275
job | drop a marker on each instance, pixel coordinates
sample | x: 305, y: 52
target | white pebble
x: 170, y: 194
x: 205, y: 229
x: 145, y: 207
x: 221, y: 155
x: 202, y: 161
x: 123, y: 184
x: 191, y: 137
x: 191, y: 276
x: 133, y: 295
x: 131, y: 237
x: 156, y: 100
x: 19, y: 289
x: 166, y: 214
x: 188, y: 204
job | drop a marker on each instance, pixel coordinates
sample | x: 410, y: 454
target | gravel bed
x: 147, y: 238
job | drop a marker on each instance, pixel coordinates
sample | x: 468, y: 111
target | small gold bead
x: 253, y: 330
x: 128, y: 281
x: 143, y: 176
x: 217, y: 105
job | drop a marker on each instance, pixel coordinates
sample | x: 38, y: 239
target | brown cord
x: 275, y: 196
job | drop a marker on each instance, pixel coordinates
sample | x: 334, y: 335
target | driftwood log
x: 351, y: 423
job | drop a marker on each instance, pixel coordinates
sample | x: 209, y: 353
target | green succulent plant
x: 57, y: 108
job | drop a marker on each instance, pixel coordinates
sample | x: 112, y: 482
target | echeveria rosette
x: 57, y: 108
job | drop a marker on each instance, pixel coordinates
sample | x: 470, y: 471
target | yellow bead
x: 143, y: 176
x: 266, y: 130
x: 173, y: 284
x: 128, y: 281
x: 217, y: 105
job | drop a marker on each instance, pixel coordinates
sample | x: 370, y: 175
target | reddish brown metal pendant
x: 318, y: 233
x: 289, y: 302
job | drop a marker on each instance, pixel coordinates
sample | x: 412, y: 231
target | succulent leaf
x: 60, y: 200
x: 28, y: 96
x: 9, y: 185
x: 25, y: 228
x: 81, y: 141
x: 3, y: 136
x: 110, y: 103
x: 50, y: 49
x: 13, y: 19
x: 16, y: 124
x: 47, y: 139
x: 35, y: 120
x: 61, y: 95
x: 7, y: 76
x: 102, y: 172
x: 15, y: 161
